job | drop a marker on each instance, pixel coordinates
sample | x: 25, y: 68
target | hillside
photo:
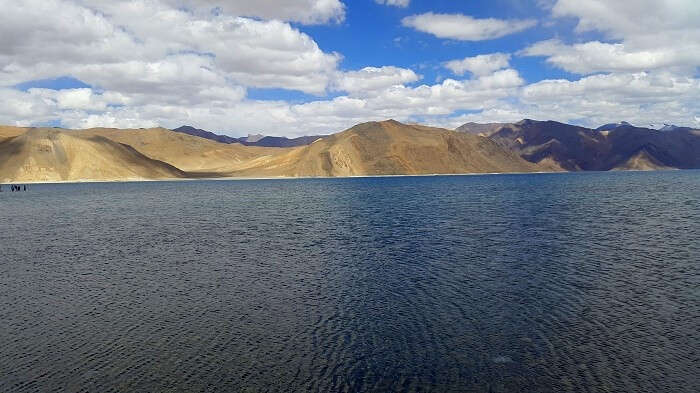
x: 392, y: 148
x: 186, y: 152
x: 575, y: 148
x: 484, y: 129
x: 53, y: 155
x: 10, y: 131
x: 189, y: 130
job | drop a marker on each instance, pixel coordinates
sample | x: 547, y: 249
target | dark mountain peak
x: 612, y: 126
x: 481, y: 128
x: 526, y: 122
x: 185, y: 128
x: 189, y: 130
x: 250, y: 140
x: 669, y: 127
x: 280, y: 141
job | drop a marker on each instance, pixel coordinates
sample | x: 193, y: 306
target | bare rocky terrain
x: 373, y: 148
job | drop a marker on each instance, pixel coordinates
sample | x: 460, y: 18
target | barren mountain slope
x: 186, y: 152
x: 54, y: 155
x: 577, y: 148
x: 392, y: 148
x: 641, y: 161
x: 10, y: 131
x: 483, y: 129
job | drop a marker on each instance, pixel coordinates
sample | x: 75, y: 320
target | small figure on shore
x: 25, y: 187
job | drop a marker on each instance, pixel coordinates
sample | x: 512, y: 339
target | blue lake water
x: 586, y: 282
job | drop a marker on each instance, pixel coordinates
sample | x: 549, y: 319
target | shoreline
x: 88, y: 181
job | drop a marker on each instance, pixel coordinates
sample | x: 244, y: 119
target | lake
x: 581, y: 282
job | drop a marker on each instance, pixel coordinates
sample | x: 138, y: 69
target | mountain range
x: 574, y: 148
x: 372, y: 148
x: 251, y: 140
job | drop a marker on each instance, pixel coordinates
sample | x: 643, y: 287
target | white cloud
x: 464, y: 27
x: 396, y: 3
x: 596, y: 56
x: 479, y: 65
x: 625, y: 18
x: 370, y: 79
x: 642, y: 98
x: 151, y: 45
x: 383, y: 98
x: 645, y: 35
x: 303, y: 11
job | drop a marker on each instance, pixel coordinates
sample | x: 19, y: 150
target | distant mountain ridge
x: 669, y: 127
x: 480, y: 128
x: 251, y: 140
x: 189, y: 130
x: 612, y: 126
x: 574, y: 148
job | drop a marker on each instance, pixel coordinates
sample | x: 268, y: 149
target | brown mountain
x: 480, y: 128
x: 45, y: 154
x: 186, y: 152
x: 576, y: 148
x: 392, y: 148
x: 10, y: 132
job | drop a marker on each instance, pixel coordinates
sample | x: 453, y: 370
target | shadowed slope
x: 576, y: 148
x: 187, y: 152
x: 251, y: 140
x: 484, y: 129
x: 392, y: 148
x: 53, y: 155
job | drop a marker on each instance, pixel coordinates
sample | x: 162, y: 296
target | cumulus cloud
x: 645, y: 35
x: 383, y: 96
x: 396, y: 3
x: 464, y: 27
x: 624, y: 18
x: 596, y: 56
x: 170, y: 48
x: 479, y: 65
x: 370, y: 79
x: 643, y: 98
x: 303, y: 11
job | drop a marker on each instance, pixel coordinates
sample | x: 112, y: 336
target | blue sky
x: 373, y: 34
x: 293, y: 67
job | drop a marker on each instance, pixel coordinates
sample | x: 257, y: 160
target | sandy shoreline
x: 266, y: 178
x: 313, y: 177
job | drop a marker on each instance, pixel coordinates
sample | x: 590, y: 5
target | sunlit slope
x: 391, y: 148
x: 186, y: 152
x: 10, y: 132
x: 58, y: 155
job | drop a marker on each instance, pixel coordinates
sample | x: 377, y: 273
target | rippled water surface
x: 506, y: 283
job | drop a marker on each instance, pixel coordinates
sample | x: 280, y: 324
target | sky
x: 303, y: 67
